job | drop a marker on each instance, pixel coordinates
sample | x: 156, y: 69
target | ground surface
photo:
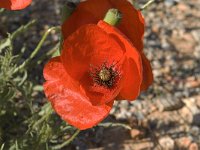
x: 167, y: 116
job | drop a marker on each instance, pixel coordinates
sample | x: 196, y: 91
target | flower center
x: 105, y: 74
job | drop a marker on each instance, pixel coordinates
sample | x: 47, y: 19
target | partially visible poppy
x: 97, y: 64
x: 14, y: 4
x: 131, y: 25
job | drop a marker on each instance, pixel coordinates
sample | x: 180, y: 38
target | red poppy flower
x: 14, y: 4
x: 98, y: 64
x: 131, y: 25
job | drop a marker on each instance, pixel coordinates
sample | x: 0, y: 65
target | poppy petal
x: 68, y: 100
x: 14, y: 4
x: 133, y: 65
x: 90, y: 47
x: 91, y: 11
x: 147, y: 73
x: 132, y: 81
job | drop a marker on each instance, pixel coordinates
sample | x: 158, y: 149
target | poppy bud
x: 113, y: 17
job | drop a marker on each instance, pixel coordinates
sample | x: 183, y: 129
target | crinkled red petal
x: 132, y: 67
x: 14, y: 4
x: 68, y: 100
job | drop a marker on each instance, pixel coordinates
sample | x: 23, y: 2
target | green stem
x: 58, y: 147
x: 27, y: 61
x: 113, y: 17
x: 47, y: 112
x: 2, y: 147
x: 147, y: 4
x: 2, y: 10
x: 51, y: 53
x: 22, y: 29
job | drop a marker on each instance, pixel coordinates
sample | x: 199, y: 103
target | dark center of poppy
x: 105, y: 74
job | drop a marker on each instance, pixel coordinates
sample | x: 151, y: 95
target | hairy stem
x: 36, y: 50
x: 58, y: 147
x: 147, y: 4
x: 22, y: 29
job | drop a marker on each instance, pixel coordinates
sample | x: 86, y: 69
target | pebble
x: 169, y: 104
x: 135, y: 133
x: 182, y: 7
x: 196, y: 119
x: 194, y: 146
x: 184, y: 142
x: 167, y: 143
x: 194, y: 130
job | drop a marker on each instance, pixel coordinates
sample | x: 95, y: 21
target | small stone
x: 139, y: 115
x: 182, y: 7
x: 155, y: 29
x: 169, y: 3
x: 185, y: 44
x: 193, y: 146
x: 196, y: 119
x: 191, y: 113
x: 194, y: 130
x: 135, y: 133
x: 184, y: 142
x: 125, y: 104
x: 137, y: 146
x: 153, y: 108
x: 167, y: 143
x: 193, y: 84
x: 186, y: 115
x: 168, y: 104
